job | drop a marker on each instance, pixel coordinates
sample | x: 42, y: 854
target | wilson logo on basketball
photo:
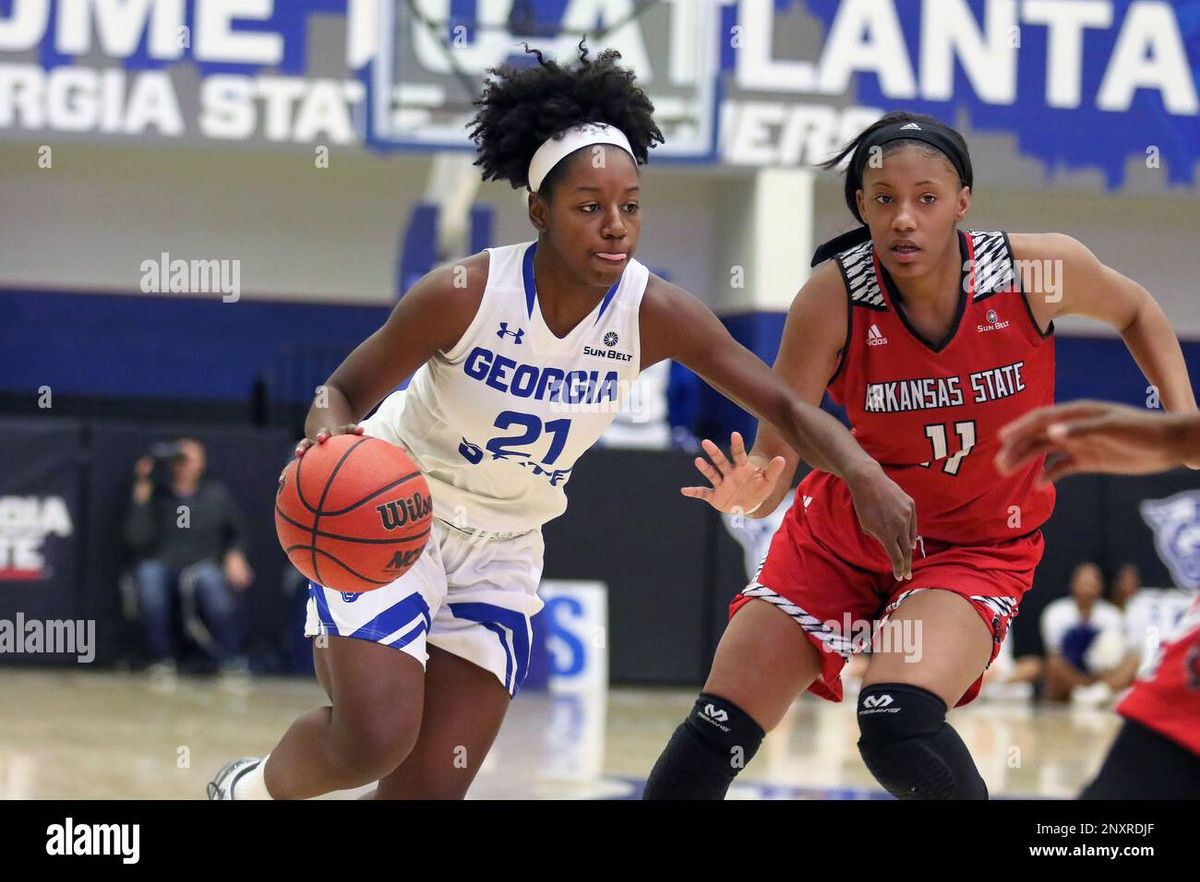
x: 395, y: 515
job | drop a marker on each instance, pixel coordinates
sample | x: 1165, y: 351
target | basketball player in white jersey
x: 517, y: 356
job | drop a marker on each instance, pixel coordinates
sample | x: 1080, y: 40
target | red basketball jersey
x: 1169, y: 701
x: 929, y: 411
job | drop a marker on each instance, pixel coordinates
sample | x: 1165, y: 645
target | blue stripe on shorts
x: 328, y: 627
x: 501, y: 622
x: 395, y: 618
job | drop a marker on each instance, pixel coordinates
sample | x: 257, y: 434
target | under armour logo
x: 505, y: 332
x: 877, y: 701
x: 719, y: 715
x: 911, y: 127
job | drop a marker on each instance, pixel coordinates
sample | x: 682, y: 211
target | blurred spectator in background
x: 186, y: 533
x: 1151, y: 614
x: 1086, y: 651
x: 1126, y: 584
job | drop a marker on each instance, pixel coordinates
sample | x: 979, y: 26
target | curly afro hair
x: 521, y: 108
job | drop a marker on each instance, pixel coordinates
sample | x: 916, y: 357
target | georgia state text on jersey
x: 497, y: 422
x: 929, y: 412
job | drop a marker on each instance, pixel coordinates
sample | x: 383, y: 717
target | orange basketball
x: 353, y: 513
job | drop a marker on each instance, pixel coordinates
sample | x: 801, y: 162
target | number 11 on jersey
x: 936, y: 433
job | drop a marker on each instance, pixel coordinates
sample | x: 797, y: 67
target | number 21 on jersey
x: 530, y: 429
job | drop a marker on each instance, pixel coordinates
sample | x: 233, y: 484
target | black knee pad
x: 726, y: 729
x: 706, y: 752
x: 910, y: 748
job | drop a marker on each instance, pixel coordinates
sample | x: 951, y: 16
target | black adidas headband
x: 935, y: 135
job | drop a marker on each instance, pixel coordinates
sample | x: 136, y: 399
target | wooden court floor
x: 103, y: 735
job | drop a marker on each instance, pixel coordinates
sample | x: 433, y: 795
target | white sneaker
x: 221, y: 786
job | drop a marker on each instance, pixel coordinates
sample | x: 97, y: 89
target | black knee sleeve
x: 911, y: 749
x: 709, y: 748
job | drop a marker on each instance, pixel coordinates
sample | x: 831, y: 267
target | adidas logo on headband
x: 911, y: 126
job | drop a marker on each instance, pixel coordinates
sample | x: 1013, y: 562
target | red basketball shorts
x: 840, y: 604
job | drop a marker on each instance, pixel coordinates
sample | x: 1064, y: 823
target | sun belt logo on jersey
x: 1176, y: 525
x: 610, y: 340
x: 994, y: 322
x: 505, y: 332
x: 875, y: 338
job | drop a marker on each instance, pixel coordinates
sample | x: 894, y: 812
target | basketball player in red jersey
x: 1157, y: 752
x: 933, y: 339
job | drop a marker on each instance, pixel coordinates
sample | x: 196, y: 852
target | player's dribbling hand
x: 1094, y: 436
x: 740, y: 486
x: 886, y: 513
x: 325, y: 434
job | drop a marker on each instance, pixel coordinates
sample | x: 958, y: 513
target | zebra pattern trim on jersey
x: 994, y: 271
x: 832, y: 641
x: 993, y: 264
x: 1003, y: 609
x: 858, y: 271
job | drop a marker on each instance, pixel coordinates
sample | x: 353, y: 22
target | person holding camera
x: 185, y: 529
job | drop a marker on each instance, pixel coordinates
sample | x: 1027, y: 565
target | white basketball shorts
x: 471, y: 596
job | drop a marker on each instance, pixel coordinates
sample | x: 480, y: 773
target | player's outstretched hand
x: 888, y: 514
x: 739, y: 486
x: 1097, y: 436
x: 324, y: 434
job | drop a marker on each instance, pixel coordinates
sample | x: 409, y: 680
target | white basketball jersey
x: 497, y: 422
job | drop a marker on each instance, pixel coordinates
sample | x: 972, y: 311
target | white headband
x: 559, y: 146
